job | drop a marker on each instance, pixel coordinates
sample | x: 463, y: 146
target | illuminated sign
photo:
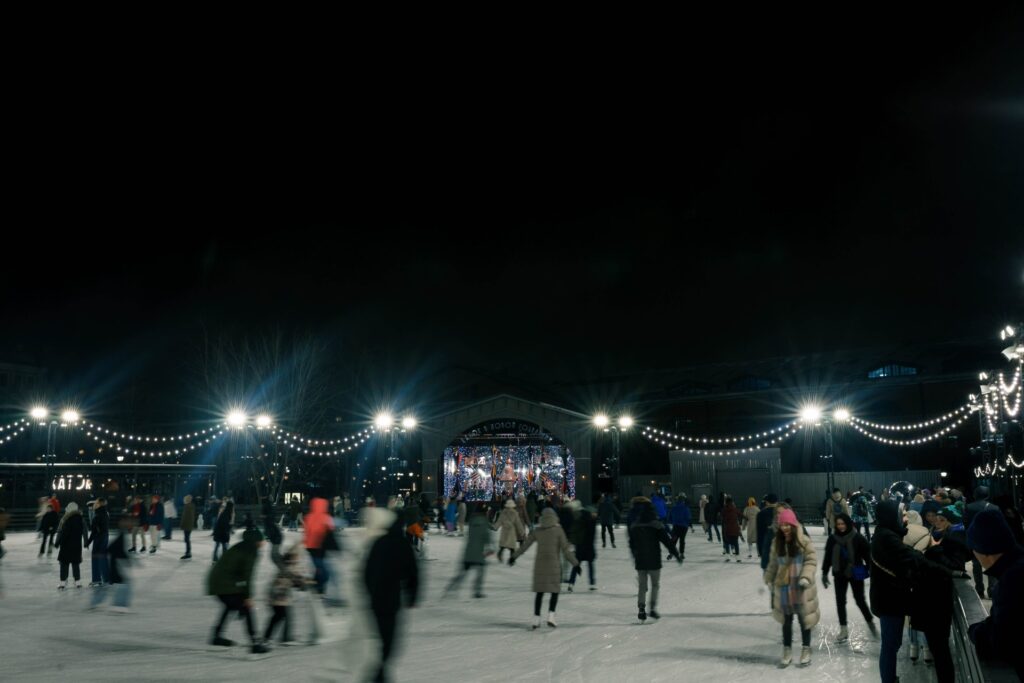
x: 72, y: 482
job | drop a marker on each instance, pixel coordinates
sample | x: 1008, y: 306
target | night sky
x: 552, y: 221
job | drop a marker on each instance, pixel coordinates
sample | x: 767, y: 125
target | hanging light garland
x: 16, y: 429
x: 218, y: 428
x: 659, y: 436
x: 182, y: 449
x: 356, y: 440
x: 343, y: 442
x: 912, y: 442
x: 952, y: 415
x: 725, y: 439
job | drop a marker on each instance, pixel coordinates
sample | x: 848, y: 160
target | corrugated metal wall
x: 808, y: 489
x: 642, y: 483
x: 689, y: 469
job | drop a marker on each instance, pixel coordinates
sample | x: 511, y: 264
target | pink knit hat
x: 787, y: 516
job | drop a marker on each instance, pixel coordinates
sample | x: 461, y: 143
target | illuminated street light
x: 384, y: 421
x: 40, y: 413
x: 842, y: 415
x: 625, y: 422
x: 601, y: 420
x: 810, y: 414
x: 263, y: 421
x: 409, y: 422
x: 236, y: 419
x: 70, y: 416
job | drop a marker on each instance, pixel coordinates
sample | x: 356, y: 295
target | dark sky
x: 558, y: 219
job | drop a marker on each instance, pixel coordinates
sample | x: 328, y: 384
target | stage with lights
x: 507, y: 458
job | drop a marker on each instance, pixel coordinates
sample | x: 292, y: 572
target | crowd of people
x: 898, y: 556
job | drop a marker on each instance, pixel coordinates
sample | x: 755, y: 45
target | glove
x: 824, y: 580
x: 805, y: 582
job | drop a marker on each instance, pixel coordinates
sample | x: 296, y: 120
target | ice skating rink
x: 715, y: 623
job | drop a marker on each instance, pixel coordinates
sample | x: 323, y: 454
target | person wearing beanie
x: 390, y: 569
x: 645, y: 535
x: 792, y: 564
x: 230, y: 580
x: 552, y: 544
x: 847, y: 554
x: 929, y: 509
x: 980, y: 504
x: 512, y: 529
x: 896, y: 569
x: 765, y: 528
x: 679, y: 517
x: 999, y: 637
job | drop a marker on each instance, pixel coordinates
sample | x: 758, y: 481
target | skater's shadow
x: 716, y: 615
x: 707, y: 653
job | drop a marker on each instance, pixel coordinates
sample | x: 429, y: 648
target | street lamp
x: 622, y: 424
x: 385, y: 423
x: 814, y: 416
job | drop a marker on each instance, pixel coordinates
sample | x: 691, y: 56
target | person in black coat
x: 70, y: 537
x: 48, y: 528
x: 390, y: 568
x: 585, y: 531
x: 845, y: 551
x: 980, y: 504
x: 99, y: 534
x: 765, y: 533
x: 222, y: 529
x: 272, y: 533
x: 711, y: 512
x: 608, y: 514
x: 895, y: 569
x: 645, y: 534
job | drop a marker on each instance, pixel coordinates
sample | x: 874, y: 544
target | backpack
x: 861, y: 507
x: 837, y: 508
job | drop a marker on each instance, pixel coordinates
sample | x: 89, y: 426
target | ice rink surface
x: 715, y: 624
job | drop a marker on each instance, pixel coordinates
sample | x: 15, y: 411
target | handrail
x: 968, y: 609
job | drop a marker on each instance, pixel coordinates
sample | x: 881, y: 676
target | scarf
x: 788, y: 581
x: 843, y: 556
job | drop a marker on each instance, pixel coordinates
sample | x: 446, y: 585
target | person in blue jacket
x: 450, y: 515
x: 679, y: 518
x: 660, y: 506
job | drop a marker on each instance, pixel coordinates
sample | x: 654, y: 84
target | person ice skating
x: 980, y: 504
x: 731, y: 528
x: 552, y: 544
x: 847, y: 555
x: 999, y: 637
x: 645, y: 535
x: 766, y: 527
x: 608, y: 515
x: 99, y: 539
x: 271, y: 531
x: 390, y: 569
x: 155, y: 523
x: 289, y: 576
x: 750, y: 527
x: 120, y: 570
x: 860, y: 513
x: 478, y: 544
x: 703, y: 504
x: 188, y: 524
x: 531, y: 509
x: 460, y: 519
x: 170, y: 514
x: 230, y: 581
x: 512, y: 529
x: 318, y: 525
x: 584, y: 538
x: 71, y: 535
x: 222, y: 529
x: 5, y: 519
x: 523, y: 513
x: 294, y: 514
x: 712, y: 510
x: 137, y: 510
x: 679, y: 518
x: 48, y: 528
x: 792, y: 565
x: 834, y: 507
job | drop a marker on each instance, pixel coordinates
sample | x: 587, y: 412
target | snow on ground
x: 715, y: 622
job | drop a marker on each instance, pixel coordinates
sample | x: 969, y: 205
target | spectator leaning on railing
x: 999, y: 637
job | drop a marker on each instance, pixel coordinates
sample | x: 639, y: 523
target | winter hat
x: 787, y: 516
x: 509, y: 503
x: 930, y: 506
x: 981, y: 493
x: 950, y: 513
x: 918, y: 537
x: 990, y: 534
x: 772, y: 499
x: 914, y: 517
x: 72, y: 507
x: 378, y: 519
x: 919, y: 498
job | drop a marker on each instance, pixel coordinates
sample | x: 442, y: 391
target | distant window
x: 750, y: 383
x: 892, y: 370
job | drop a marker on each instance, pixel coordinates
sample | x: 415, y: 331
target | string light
x: 16, y: 429
x: 916, y: 426
x: 725, y: 439
x: 171, y: 451
x: 154, y: 439
x: 324, y: 442
x: 340, y: 451
x: 671, y: 445
x: 912, y: 442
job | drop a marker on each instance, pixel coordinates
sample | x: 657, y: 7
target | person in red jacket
x: 731, y: 528
x: 317, y: 525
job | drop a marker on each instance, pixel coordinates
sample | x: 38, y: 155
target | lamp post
x: 813, y: 416
x: 385, y: 423
x: 616, y: 428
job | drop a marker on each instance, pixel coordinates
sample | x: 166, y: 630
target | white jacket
x: 170, y: 511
